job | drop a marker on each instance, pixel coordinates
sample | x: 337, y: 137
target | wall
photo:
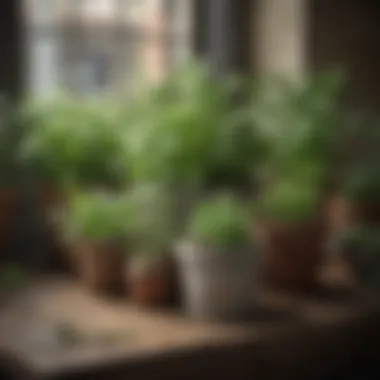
x: 296, y: 36
x: 280, y: 36
x: 11, y: 53
x: 345, y: 33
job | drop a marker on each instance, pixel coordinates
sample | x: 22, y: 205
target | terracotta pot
x: 292, y: 254
x: 151, y: 283
x: 344, y: 213
x: 100, y: 266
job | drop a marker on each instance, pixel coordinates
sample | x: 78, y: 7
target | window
x: 90, y: 47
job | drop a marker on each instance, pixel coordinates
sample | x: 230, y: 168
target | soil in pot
x: 151, y: 282
x: 100, y: 267
x: 292, y: 255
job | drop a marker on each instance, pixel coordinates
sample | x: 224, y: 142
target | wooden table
x: 286, y: 338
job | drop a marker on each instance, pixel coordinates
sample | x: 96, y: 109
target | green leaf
x: 222, y: 222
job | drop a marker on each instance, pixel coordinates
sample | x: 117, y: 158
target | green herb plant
x: 73, y: 143
x: 301, y: 122
x: 99, y: 218
x: 186, y: 132
x: 221, y: 222
x: 288, y: 202
x: 152, y: 232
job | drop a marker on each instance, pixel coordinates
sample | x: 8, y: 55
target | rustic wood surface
x: 286, y: 335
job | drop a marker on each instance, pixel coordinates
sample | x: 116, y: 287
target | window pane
x: 94, y: 47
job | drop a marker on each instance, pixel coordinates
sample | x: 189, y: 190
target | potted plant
x: 302, y: 124
x: 70, y: 145
x: 97, y: 225
x: 217, y: 260
x: 150, y: 273
x: 359, y: 202
x: 74, y: 144
x: 291, y: 232
x: 190, y: 136
x: 360, y: 247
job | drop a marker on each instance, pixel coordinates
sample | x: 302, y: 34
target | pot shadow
x: 113, y: 294
x: 262, y: 315
x: 337, y: 295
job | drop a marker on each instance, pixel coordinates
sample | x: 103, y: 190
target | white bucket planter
x: 217, y: 284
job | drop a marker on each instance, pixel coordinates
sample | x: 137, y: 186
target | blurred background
x: 94, y: 46
x: 110, y: 154
x: 89, y: 48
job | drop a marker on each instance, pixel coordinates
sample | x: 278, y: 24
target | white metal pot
x: 217, y: 284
